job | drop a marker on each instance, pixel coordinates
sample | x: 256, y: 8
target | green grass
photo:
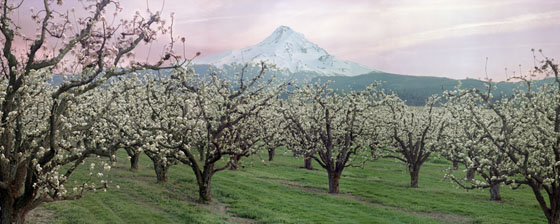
x: 280, y: 192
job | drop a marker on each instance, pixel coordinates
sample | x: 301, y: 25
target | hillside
x: 415, y: 89
x: 280, y: 192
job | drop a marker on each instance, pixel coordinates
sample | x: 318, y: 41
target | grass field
x: 281, y: 192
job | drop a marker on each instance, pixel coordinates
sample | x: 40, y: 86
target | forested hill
x: 415, y: 89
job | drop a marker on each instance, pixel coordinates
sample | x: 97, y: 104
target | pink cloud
x: 434, y: 37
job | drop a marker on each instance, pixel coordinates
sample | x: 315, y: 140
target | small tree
x: 329, y: 127
x: 412, y: 134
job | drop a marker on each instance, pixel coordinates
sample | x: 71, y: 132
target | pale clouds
x: 380, y: 34
x: 511, y: 24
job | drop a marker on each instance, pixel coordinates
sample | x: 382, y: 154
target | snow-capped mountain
x: 288, y: 50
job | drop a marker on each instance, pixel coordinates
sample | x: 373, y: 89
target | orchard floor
x: 281, y: 192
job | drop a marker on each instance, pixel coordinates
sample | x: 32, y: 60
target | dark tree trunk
x: 554, y: 217
x: 134, y: 158
x: 8, y: 214
x: 334, y: 178
x: 270, y: 154
x: 495, y: 192
x: 470, y: 174
x: 308, y: 163
x: 414, y: 171
x: 161, y: 171
x: 552, y: 213
x: 455, y: 164
x: 234, y: 162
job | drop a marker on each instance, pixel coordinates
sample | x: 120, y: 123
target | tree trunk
x: 234, y: 162
x: 201, y: 153
x: 204, y: 192
x: 161, y: 171
x: 495, y: 192
x: 134, y: 158
x: 455, y: 164
x: 308, y: 163
x: 414, y: 171
x: 270, y: 154
x: 553, y: 214
x: 470, y: 174
x: 7, y: 212
x: 334, y: 178
x: 554, y: 217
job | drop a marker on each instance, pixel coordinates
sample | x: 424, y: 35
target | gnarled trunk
x: 270, y: 154
x: 414, y: 171
x: 334, y: 178
x: 308, y: 163
x: 161, y: 171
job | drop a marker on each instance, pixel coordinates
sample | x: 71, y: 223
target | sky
x: 446, y: 38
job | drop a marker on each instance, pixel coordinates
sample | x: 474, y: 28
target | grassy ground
x: 280, y: 192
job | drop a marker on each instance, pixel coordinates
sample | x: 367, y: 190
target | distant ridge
x: 415, y: 90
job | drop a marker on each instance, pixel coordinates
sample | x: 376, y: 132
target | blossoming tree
x: 526, y: 130
x: 330, y: 127
x: 47, y: 131
x: 201, y: 120
x: 469, y: 144
x: 413, y: 134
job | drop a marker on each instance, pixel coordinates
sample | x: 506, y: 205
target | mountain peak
x: 282, y: 29
x: 289, y: 50
x: 282, y: 34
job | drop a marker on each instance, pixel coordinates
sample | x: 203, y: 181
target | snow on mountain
x: 288, y: 50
